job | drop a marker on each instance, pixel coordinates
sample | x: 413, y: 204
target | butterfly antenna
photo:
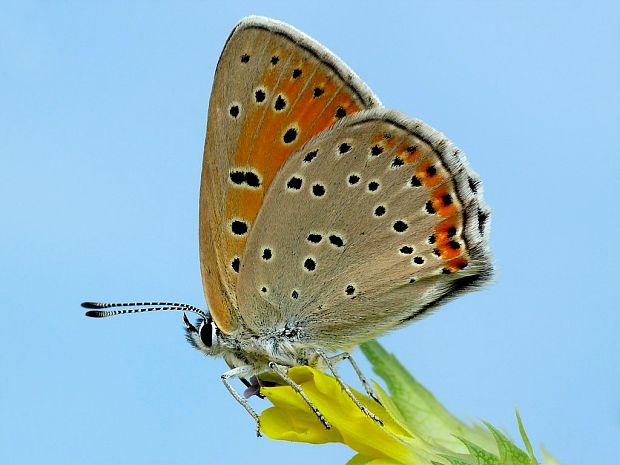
x: 96, y: 308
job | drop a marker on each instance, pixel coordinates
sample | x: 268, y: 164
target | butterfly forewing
x: 274, y: 89
x: 366, y: 227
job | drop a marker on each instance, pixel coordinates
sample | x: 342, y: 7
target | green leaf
x: 526, y: 440
x: 480, y: 456
x: 509, y: 453
x: 423, y: 413
x: 360, y: 459
x: 456, y: 460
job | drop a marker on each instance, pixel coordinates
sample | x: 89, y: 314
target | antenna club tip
x: 91, y: 305
x: 95, y: 313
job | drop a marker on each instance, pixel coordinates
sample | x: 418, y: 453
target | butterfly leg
x: 240, y: 372
x: 346, y: 389
x: 281, y: 372
x: 346, y: 355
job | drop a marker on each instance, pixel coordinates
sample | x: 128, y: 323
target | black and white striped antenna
x: 97, y: 308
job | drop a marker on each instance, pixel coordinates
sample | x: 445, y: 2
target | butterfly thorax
x: 259, y: 351
x: 286, y: 345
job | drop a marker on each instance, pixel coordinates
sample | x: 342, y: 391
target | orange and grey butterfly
x: 325, y: 219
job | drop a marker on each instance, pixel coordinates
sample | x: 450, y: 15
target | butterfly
x: 325, y: 219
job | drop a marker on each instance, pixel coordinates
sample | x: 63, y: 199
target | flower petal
x: 291, y: 419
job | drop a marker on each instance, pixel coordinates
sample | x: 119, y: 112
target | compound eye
x: 206, y: 333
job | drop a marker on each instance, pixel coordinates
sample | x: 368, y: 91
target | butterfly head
x: 204, y: 336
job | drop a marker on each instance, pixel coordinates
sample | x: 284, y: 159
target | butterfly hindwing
x: 274, y: 89
x: 368, y: 226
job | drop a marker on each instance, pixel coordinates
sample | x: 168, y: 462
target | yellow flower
x: 291, y: 419
x: 417, y: 428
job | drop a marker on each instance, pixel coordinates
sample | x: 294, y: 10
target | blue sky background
x: 102, y: 121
